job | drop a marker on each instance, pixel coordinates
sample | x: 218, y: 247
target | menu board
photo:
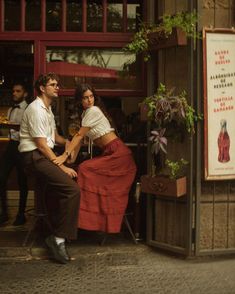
x: 219, y: 103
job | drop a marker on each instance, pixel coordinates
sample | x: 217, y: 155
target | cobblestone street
x: 118, y: 267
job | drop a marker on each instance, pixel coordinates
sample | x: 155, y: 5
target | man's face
x: 51, y: 89
x: 18, y: 93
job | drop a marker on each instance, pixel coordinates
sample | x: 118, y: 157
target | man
x: 11, y: 157
x: 38, y: 136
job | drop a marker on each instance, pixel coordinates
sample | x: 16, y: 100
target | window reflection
x: 94, y: 16
x: 103, y: 68
x: 74, y: 16
x: 12, y: 15
x: 33, y: 15
x: 115, y: 16
x: 53, y: 15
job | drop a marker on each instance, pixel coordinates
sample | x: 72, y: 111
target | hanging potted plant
x: 171, y: 117
x: 172, y: 30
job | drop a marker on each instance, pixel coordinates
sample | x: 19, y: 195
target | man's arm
x: 49, y: 154
x: 42, y: 146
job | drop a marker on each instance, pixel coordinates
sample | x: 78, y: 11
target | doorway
x: 16, y: 64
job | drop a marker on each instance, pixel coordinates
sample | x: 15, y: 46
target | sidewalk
x: 118, y: 267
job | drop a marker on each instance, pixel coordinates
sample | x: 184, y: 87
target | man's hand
x: 60, y: 159
x: 69, y: 171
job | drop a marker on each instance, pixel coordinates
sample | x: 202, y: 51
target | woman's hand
x: 71, y: 158
x: 69, y: 171
x: 60, y: 159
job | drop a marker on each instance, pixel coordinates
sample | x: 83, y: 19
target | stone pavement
x: 119, y: 266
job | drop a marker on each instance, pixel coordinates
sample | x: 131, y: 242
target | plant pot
x: 176, y: 38
x: 163, y: 185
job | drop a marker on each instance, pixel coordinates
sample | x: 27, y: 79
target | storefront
x: 83, y: 42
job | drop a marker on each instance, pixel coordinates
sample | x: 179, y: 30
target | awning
x: 80, y: 70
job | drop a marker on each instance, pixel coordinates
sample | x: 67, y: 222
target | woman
x: 105, y: 180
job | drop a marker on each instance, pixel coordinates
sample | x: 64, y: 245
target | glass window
x: 12, y: 15
x: 133, y: 15
x: 74, y: 16
x: 33, y: 15
x: 103, y: 68
x: 115, y: 16
x: 53, y: 15
x: 94, y: 16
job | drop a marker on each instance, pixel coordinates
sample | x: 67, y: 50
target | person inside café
x: 11, y: 157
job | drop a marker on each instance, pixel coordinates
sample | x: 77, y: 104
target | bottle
x: 223, y: 142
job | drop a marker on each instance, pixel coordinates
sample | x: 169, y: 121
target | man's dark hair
x: 43, y: 79
x: 22, y: 84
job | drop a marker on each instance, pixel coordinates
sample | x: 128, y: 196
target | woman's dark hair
x: 79, y: 92
x: 42, y: 80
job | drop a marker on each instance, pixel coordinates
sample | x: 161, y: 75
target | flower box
x: 163, y: 185
x: 176, y: 38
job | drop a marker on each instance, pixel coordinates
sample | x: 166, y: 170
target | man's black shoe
x: 20, y: 220
x: 58, y: 250
x: 3, y: 218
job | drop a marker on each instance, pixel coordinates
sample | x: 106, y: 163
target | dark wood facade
x: 203, y: 221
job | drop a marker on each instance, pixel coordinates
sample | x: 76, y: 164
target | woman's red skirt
x: 105, y: 182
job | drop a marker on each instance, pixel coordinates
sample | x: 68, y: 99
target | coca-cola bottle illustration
x: 223, y: 142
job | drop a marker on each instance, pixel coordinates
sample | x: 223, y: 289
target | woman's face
x: 88, y: 99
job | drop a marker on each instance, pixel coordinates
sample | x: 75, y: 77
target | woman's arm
x: 73, y: 155
x: 73, y: 148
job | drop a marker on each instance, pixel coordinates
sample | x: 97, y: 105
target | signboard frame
x: 219, y: 103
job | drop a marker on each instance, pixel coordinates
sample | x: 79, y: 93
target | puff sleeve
x: 92, y: 117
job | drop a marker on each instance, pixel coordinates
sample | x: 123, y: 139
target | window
x: 33, y: 15
x: 53, y: 16
x: 104, y: 68
x: 101, y: 15
x: 12, y: 15
x: 114, y: 16
x: 74, y: 16
x: 94, y: 16
x: 133, y: 15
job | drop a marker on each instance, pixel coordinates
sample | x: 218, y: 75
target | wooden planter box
x: 163, y: 185
x: 177, y: 38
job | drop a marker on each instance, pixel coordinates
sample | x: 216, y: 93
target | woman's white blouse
x: 99, y: 125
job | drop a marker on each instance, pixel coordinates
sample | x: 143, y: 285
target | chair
x: 128, y: 226
x: 39, y: 213
x: 125, y: 220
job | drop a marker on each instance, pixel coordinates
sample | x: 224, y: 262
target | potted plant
x: 171, y: 117
x: 172, y: 30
